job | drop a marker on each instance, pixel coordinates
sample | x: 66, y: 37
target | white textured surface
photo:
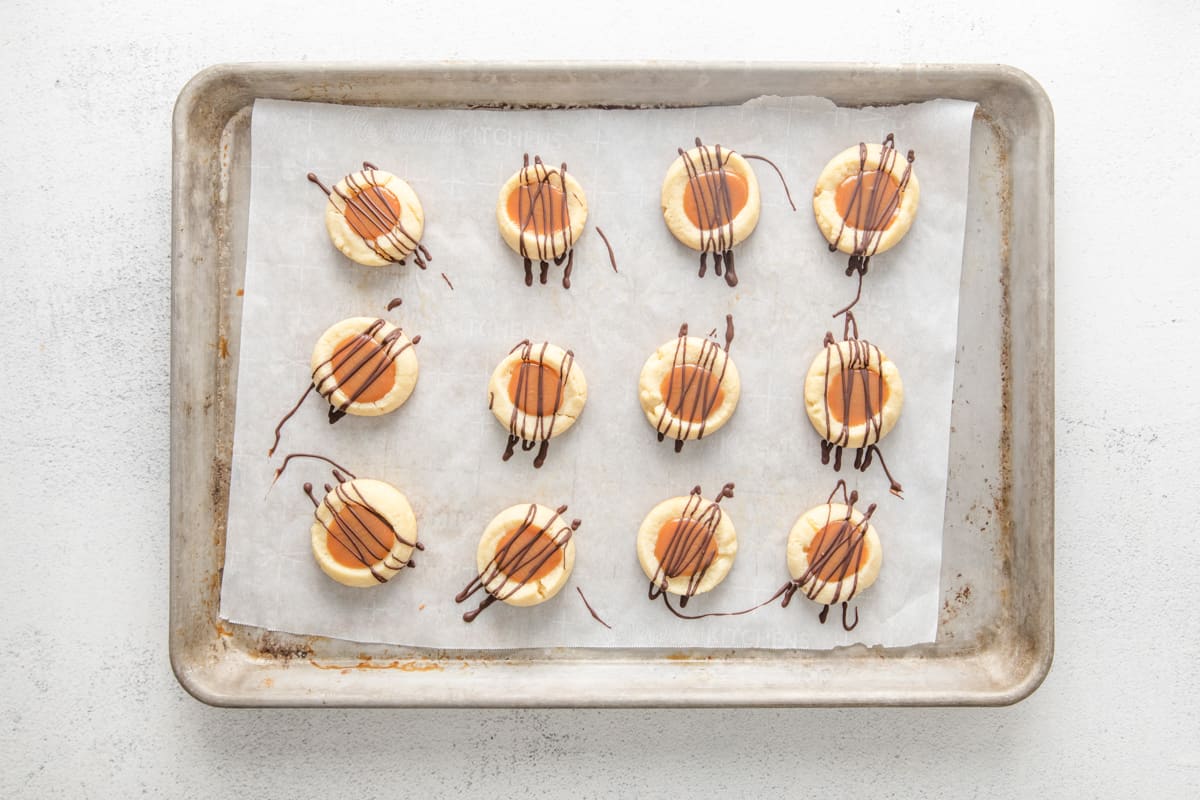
x: 88, y: 705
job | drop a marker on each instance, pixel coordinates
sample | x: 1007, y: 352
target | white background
x: 88, y: 704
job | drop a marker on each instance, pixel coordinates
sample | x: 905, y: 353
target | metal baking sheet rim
x: 225, y: 664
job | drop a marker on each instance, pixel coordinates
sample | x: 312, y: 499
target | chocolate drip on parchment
x: 702, y: 396
x: 857, y: 368
x: 612, y: 258
x: 591, y: 610
x: 516, y: 561
x: 349, y: 524
x: 355, y: 359
x: 875, y: 206
x: 688, y: 549
x: 367, y: 201
x: 539, y: 177
x: 544, y: 419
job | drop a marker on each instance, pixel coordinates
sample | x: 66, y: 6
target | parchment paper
x: 443, y: 447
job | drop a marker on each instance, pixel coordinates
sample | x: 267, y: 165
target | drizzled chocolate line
x: 354, y: 533
x: 591, y: 610
x: 703, y: 402
x: 448, y: 283
x: 856, y: 368
x: 689, y: 544
x: 612, y: 259
x: 544, y: 242
x: 782, y: 180
x: 368, y: 202
x: 522, y: 561
x: 875, y: 207
x: 394, y: 304
x: 543, y: 421
x: 330, y: 383
x: 716, y: 224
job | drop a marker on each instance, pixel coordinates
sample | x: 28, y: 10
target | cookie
x: 537, y: 392
x: 364, y: 366
x: 866, y: 198
x: 833, y: 553
x: 365, y: 532
x: 689, y: 387
x: 687, y: 545
x: 541, y: 213
x: 853, y: 393
x: 525, y: 557
x: 375, y: 218
x: 710, y: 198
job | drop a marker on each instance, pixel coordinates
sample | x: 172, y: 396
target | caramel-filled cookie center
x: 854, y: 396
x: 362, y: 369
x: 692, y: 392
x: 534, y: 389
x: 837, y: 551
x: 713, y: 199
x: 373, y: 212
x: 359, y: 537
x: 869, y: 202
x: 538, y: 207
x: 527, y: 554
x: 684, y: 547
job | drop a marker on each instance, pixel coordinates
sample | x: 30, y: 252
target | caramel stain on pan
x: 223, y: 347
x: 267, y: 683
x: 403, y: 666
x: 241, y: 292
x: 221, y: 629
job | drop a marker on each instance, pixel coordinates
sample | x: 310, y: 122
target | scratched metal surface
x: 995, y: 634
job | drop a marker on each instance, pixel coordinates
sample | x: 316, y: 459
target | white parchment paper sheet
x: 443, y: 447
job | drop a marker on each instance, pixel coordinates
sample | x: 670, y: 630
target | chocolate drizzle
x: 368, y: 202
x: 864, y: 369
x: 544, y: 419
x: 688, y: 549
x: 875, y: 206
x: 612, y: 258
x: 591, y: 610
x: 518, y: 558
x: 708, y: 180
x: 349, y: 525
x: 355, y: 359
x: 539, y: 177
x: 702, y: 402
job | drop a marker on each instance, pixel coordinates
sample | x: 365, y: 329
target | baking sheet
x: 443, y: 447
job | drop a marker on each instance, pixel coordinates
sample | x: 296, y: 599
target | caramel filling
x: 527, y: 554
x: 713, y: 199
x: 534, y: 389
x: 362, y: 369
x: 684, y: 548
x: 868, y: 392
x: 836, y: 552
x: 359, y: 537
x: 692, y: 392
x: 372, y: 212
x: 539, y: 207
x: 866, y: 203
